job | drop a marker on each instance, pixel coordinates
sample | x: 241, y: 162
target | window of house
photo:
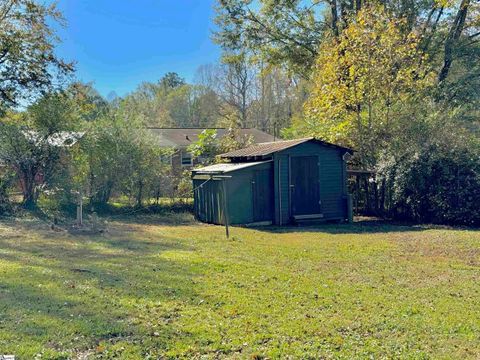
x: 187, y: 159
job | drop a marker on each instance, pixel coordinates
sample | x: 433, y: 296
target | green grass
x: 151, y: 289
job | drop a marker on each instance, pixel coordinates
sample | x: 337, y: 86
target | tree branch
x: 453, y: 36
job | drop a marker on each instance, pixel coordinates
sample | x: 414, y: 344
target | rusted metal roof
x: 183, y: 137
x: 268, y: 148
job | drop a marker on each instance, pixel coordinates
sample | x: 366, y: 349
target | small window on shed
x: 187, y: 159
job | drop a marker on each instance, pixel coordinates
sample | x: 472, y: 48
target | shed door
x: 262, y: 193
x: 305, y: 185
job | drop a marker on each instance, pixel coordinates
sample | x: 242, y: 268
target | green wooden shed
x: 275, y: 183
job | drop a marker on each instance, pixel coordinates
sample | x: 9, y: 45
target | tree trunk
x: 453, y: 36
x: 382, y: 197
x: 28, y: 189
x: 358, y: 5
x: 368, y: 206
x: 433, y: 28
x: 102, y: 196
x: 334, y: 11
x: 29, y: 198
x: 140, y: 194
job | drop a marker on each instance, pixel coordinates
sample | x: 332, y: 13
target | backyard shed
x: 277, y: 182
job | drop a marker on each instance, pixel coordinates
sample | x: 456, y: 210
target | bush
x: 184, y: 189
x: 438, y: 184
x: 5, y: 205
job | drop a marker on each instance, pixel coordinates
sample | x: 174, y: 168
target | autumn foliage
x: 362, y: 82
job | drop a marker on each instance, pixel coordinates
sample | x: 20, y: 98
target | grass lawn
x: 154, y: 290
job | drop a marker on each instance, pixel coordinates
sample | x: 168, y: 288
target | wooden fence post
x: 225, y: 208
x: 80, y: 209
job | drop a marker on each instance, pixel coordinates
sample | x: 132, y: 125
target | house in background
x: 181, y: 138
x: 61, y: 140
x: 275, y: 182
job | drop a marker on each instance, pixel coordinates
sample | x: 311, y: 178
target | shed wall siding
x: 332, y: 187
x: 284, y: 186
x: 208, y: 199
x: 240, y: 207
x: 240, y: 194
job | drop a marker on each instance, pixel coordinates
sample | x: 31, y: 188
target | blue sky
x: 117, y: 44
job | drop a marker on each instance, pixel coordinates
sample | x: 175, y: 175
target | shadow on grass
x: 126, y: 210
x: 357, y: 227
x: 165, y: 218
x: 94, y: 289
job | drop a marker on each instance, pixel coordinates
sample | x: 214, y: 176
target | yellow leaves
x: 13, y: 118
x: 352, y: 71
x: 444, y: 3
x: 360, y: 76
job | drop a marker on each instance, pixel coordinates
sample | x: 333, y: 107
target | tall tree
x: 34, y: 143
x: 364, y: 82
x: 171, y: 80
x: 289, y: 32
x: 278, y: 98
x: 453, y: 36
x: 236, y: 79
x: 282, y: 32
x: 28, y: 63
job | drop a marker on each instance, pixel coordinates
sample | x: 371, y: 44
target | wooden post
x: 357, y: 192
x: 367, y: 197
x: 225, y: 207
x: 350, y: 208
x: 382, y: 197
x: 80, y: 209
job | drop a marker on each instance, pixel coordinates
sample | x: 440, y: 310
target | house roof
x: 227, y: 167
x: 183, y: 137
x: 268, y: 148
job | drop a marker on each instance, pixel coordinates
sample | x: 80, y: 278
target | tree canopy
x: 28, y: 63
x: 393, y: 79
x: 363, y: 81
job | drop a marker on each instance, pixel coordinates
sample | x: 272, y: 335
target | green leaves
x: 439, y: 183
x: 172, y: 103
x: 209, y: 144
x: 281, y: 32
x: 206, y: 145
x: 362, y: 80
x: 28, y: 63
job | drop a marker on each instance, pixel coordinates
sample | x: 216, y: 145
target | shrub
x: 5, y: 205
x: 439, y: 183
x: 184, y: 188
